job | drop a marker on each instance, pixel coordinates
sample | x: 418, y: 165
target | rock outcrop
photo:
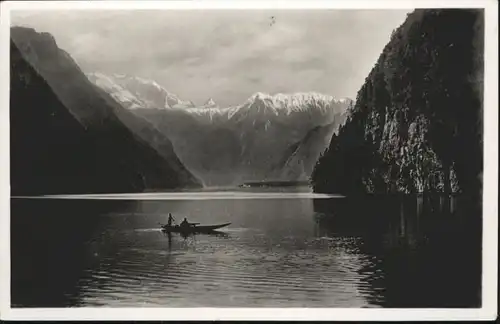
x: 416, y: 125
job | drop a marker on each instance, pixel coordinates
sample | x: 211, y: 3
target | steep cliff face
x: 417, y: 122
x: 299, y: 159
x: 66, y: 136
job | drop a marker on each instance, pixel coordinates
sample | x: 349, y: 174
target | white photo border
x: 488, y: 311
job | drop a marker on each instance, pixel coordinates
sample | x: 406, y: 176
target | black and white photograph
x: 251, y: 162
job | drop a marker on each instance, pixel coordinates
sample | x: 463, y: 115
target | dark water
x: 279, y: 252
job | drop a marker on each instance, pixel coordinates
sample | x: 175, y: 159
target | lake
x: 282, y: 249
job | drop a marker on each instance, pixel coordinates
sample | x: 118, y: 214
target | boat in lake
x: 271, y: 184
x: 193, y: 228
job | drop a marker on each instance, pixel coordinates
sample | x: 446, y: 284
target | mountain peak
x: 294, y: 101
x: 138, y: 92
x: 300, y: 96
x: 260, y: 95
x: 210, y: 103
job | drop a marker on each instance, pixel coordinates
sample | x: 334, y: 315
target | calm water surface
x: 278, y: 252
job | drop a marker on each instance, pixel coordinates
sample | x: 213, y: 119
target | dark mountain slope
x: 149, y: 134
x: 299, y: 159
x: 95, y: 108
x: 417, y: 122
x: 55, y: 149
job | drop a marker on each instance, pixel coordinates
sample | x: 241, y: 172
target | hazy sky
x: 226, y: 54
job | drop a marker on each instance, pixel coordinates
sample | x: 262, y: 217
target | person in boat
x: 185, y: 223
x: 170, y: 219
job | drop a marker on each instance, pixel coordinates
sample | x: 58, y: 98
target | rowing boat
x: 193, y: 228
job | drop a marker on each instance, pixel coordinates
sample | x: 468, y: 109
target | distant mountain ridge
x: 135, y: 92
x: 247, y: 142
x: 261, y: 105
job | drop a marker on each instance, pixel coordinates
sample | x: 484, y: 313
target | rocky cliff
x: 416, y: 125
x: 67, y: 135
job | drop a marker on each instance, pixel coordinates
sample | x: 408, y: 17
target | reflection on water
x: 428, y: 249
x: 379, y: 252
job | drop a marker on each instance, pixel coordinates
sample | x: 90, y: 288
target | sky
x: 226, y: 55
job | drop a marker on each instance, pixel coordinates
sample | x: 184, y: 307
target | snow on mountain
x: 136, y: 92
x: 278, y: 136
x: 120, y: 94
x: 210, y: 103
x: 264, y: 106
x: 249, y: 142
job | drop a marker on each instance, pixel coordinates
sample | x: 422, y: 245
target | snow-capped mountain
x: 248, y: 142
x: 210, y: 103
x: 261, y: 105
x: 135, y: 92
